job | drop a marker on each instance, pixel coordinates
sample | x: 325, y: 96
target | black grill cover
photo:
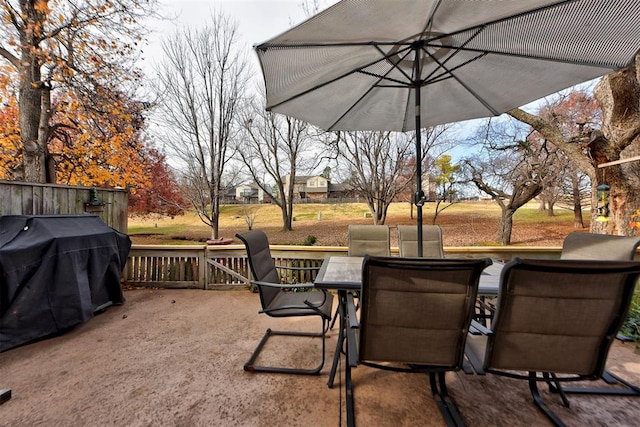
x: 55, y: 272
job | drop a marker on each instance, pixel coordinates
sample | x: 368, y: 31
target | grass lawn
x: 463, y: 224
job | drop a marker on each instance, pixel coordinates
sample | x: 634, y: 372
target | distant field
x: 464, y: 224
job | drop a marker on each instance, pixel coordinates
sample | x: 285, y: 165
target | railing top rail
x: 298, y: 248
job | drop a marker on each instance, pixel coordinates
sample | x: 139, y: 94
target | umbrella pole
x: 419, y: 196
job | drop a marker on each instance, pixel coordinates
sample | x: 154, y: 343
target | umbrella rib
x: 465, y: 86
x: 385, y: 57
x: 432, y: 78
x: 536, y: 57
x: 380, y: 78
x: 265, y: 46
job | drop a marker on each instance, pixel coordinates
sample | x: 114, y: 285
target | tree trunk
x: 619, y: 96
x: 43, y: 134
x: 624, y: 198
x: 550, y: 211
x: 379, y: 213
x: 29, y: 118
x: 287, y: 204
x: 215, y: 215
x: 505, y: 227
x: 578, y: 221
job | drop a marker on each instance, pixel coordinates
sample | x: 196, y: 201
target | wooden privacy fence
x: 21, y: 198
x: 225, y: 267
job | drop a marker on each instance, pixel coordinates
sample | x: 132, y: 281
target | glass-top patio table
x: 344, y: 274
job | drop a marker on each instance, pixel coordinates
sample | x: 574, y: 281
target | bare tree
x: 274, y: 147
x: 565, y: 186
x: 202, y: 84
x: 576, y: 190
x: 512, y: 171
x: 249, y: 213
x: 379, y: 165
x: 589, y: 145
x: 382, y: 165
x: 87, y: 48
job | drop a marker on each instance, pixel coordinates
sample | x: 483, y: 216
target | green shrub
x: 631, y: 327
x: 310, y: 241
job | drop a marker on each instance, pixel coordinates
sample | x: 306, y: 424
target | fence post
x: 202, y: 269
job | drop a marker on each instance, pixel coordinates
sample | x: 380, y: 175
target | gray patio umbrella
x: 372, y: 64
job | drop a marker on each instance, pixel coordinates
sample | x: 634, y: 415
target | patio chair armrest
x: 478, y: 328
x: 352, y: 326
x: 316, y: 306
x: 282, y: 286
x: 286, y: 267
x: 351, y: 312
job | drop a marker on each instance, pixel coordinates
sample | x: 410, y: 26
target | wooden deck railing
x: 224, y: 267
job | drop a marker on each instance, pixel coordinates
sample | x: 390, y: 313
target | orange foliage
x: 90, y: 148
x: 97, y: 148
x: 82, y: 56
x: 9, y: 140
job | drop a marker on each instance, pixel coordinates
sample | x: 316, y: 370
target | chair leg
x: 5, y: 394
x: 446, y: 406
x: 610, y: 378
x: 556, y: 387
x: 537, y: 399
x: 348, y: 388
x: 335, y: 317
x: 250, y: 367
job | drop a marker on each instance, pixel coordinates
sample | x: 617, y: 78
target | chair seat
x: 297, y: 300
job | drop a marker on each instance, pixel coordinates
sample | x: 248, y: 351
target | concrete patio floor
x: 175, y: 357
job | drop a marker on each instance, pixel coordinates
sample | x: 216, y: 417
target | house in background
x: 429, y: 186
x: 315, y: 188
x: 307, y: 187
x: 228, y: 195
x: 250, y: 193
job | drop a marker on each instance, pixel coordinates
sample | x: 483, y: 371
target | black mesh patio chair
x: 555, y: 322
x: 414, y: 317
x: 280, y: 300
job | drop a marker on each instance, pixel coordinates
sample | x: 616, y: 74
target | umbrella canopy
x: 406, y: 64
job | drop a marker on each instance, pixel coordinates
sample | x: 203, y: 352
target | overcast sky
x: 258, y: 20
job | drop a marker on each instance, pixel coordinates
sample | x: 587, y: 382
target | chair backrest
x: 417, y: 310
x: 261, y: 263
x: 369, y: 240
x: 599, y: 246
x: 431, y: 241
x: 559, y: 316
